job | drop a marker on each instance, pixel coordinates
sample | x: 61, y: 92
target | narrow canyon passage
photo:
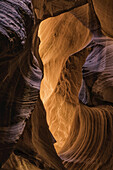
x: 56, y: 102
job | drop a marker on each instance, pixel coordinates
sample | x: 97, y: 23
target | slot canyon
x: 56, y: 84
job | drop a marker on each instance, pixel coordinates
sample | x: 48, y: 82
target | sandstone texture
x: 56, y: 85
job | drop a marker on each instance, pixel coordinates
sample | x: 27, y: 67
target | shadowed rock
x: 82, y: 126
x: 20, y: 76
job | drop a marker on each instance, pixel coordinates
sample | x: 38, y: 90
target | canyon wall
x: 67, y: 122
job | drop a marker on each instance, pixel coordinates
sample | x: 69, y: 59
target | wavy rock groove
x: 56, y: 85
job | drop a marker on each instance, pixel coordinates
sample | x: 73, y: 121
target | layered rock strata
x: 75, y: 58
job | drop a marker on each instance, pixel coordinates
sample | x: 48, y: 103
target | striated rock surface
x: 35, y: 148
x: 17, y: 86
x: 104, y: 11
x: 20, y: 86
x: 83, y: 133
x: 74, y: 57
x: 60, y: 37
x: 50, y: 8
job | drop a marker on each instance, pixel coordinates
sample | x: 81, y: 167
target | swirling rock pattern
x: 20, y: 76
x: 97, y: 73
x: 82, y: 126
x: 88, y: 141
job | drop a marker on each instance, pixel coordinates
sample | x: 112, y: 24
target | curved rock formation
x: 15, y: 89
x: 81, y: 132
x: 20, y: 84
x: 75, y: 60
x: 104, y: 11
